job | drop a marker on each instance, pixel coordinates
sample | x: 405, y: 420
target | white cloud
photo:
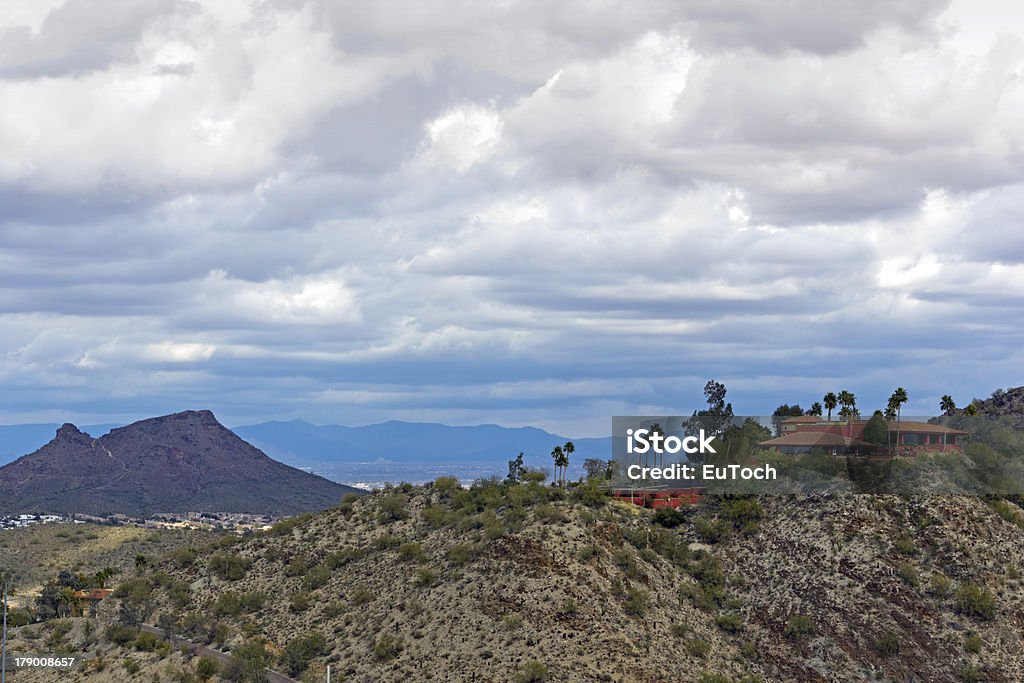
x: 543, y: 209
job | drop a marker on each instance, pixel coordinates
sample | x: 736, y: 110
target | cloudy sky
x: 513, y: 212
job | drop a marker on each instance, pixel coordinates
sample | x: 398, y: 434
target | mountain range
x: 174, y: 463
x: 301, y: 444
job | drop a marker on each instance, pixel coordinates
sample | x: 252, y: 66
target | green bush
x: 730, y: 623
x: 940, y: 586
x: 532, y: 672
x: 299, y: 602
x: 229, y: 567
x: 972, y: 643
x: 742, y: 511
x: 669, y: 518
x: 909, y: 573
x: 425, y: 577
x: 447, y: 486
x: 411, y: 552
x: 887, y: 644
x: 299, y: 651
x: 121, y: 635
x: 461, y: 554
x: 972, y: 674
x: 799, y: 625
x: 588, y: 552
x: 317, y: 577
x: 636, y: 601
x: 975, y: 601
x: 146, y: 641
x: 387, y: 647
x: 361, y: 595
x: 710, y: 530
x: 393, y: 507
x: 696, y: 647
x: 207, y: 667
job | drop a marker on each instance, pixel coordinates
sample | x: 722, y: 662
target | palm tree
x: 849, y: 404
x: 946, y: 405
x: 815, y: 409
x: 557, y: 455
x: 568, y: 449
x: 830, y: 402
x: 898, y: 398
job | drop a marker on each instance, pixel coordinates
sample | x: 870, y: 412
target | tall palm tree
x: 946, y: 405
x: 849, y: 404
x: 568, y: 449
x: 815, y: 409
x: 898, y: 398
x: 557, y: 455
x: 830, y: 402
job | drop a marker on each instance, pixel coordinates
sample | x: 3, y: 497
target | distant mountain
x: 302, y: 444
x: 180, y: 462
x: 17, y: 440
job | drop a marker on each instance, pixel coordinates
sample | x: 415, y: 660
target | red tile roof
x: 814, y: 439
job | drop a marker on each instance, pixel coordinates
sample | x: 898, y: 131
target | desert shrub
x: 348, y: 504
x: 730, y: 623
x: 799, y: 625
x: 300, y: 650
x: 184, y: 557
x: 393, y: 507
x: 411, y: 552
x: 207, y: 667
x: 121, y: 635
x: 695, y: 647
x: 908, y: 572
x: 299, y: 602
x: 435, y: 516
x: 972, y: 674
x: 333, y: 610
x: 229, y: 567
x: 248, y: 662
x: 887, y: 644
x: 297, y: 567
x: 904, y: 543
x: 548, y: 514
x: 286, y: 526
x: 317, y: 577
x: 590, y: 494
x: 636, y: 601
x: 461, y: 554
x: 626, y: 561
x: 940, y: 586
x: 710, y: 530
x: 446, y: 486
x: 975, y: 601
x: 425, y: 577
x: 973, y: 643
x: 342, y: 557
x: 387, y: 647
x: 361, y: 595
x: 387, y: 542
x: 131, y: 665
x: 588, y: 552
x: 669, y: 518
x: 146, y: 641
x: 532, y: 672
x: 742, y: 511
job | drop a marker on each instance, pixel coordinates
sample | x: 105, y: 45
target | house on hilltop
x: 805, y: 433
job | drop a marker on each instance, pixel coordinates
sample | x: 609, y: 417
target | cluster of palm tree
x: 560, y: 454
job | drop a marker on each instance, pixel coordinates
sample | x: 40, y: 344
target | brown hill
x: 528, y: 583
x: 185, y: 461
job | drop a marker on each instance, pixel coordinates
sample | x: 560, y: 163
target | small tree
x: 516, y: 469
x: 877, y: 429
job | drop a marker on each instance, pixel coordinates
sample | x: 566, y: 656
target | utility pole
x: 328, y: 673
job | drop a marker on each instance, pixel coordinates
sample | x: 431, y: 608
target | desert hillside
x: 527, y: 582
